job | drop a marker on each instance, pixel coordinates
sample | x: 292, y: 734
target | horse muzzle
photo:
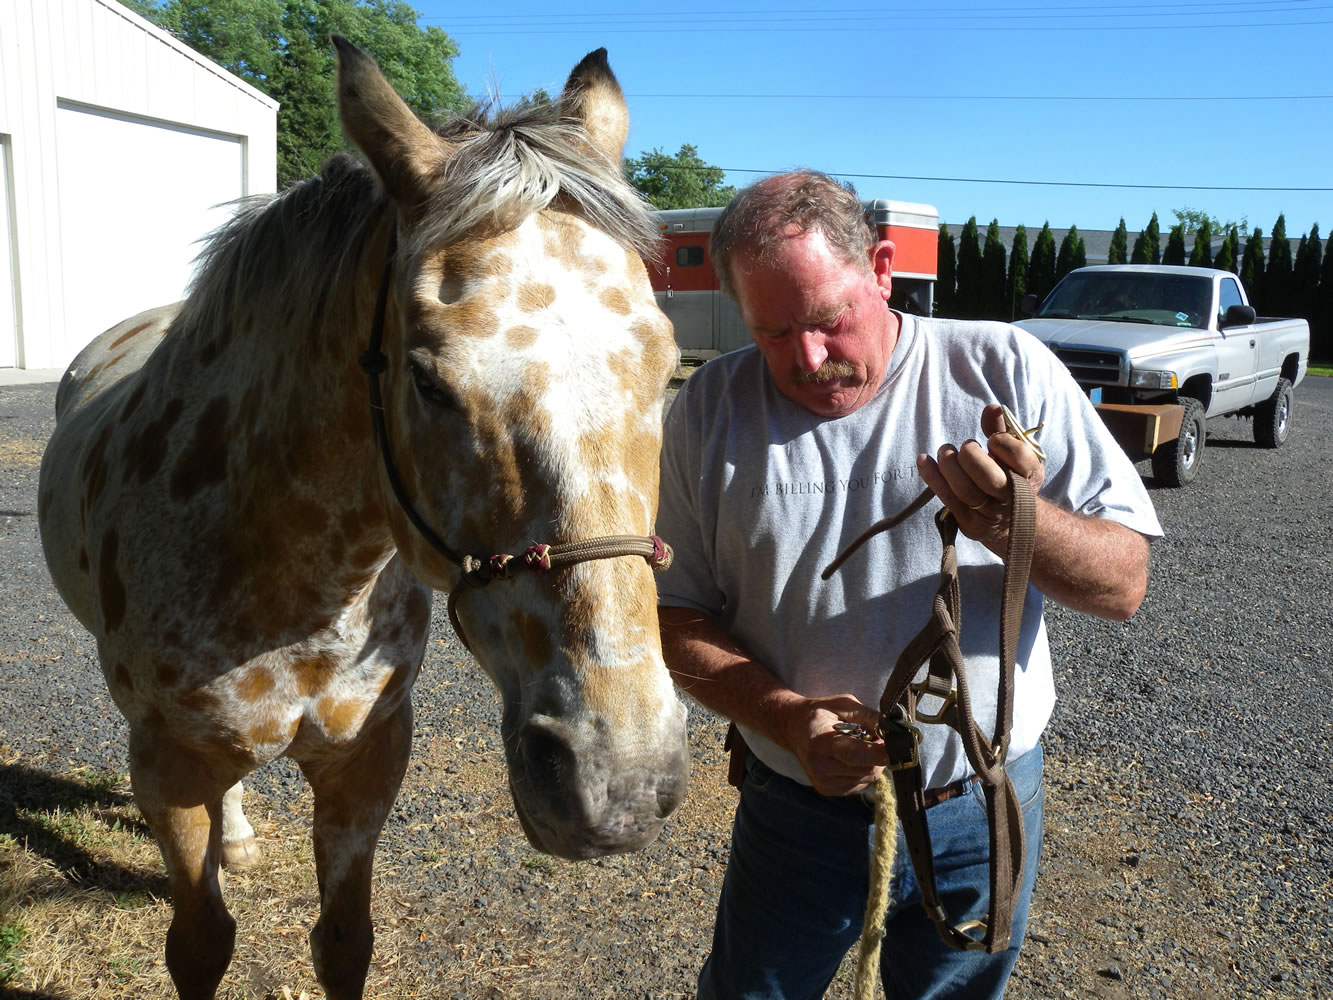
x: 580, y: 796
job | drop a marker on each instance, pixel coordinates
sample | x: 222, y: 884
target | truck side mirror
x: 1029, y: 303
x: 1237, y: 315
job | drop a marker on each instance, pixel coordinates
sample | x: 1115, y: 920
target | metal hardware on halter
x: 855, y: 730
x: 1028, y: 437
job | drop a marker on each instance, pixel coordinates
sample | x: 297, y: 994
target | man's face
x: 821, y: 323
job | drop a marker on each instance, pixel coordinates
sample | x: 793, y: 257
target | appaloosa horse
x: 253, y: 552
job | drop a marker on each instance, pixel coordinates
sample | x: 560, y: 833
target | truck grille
x: 1092, y: 366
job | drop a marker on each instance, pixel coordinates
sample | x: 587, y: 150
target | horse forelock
x: 521, y: 161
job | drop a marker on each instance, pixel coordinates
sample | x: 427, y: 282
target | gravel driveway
x: 1189, y: 848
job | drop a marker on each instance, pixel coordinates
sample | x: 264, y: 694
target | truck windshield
x: 1162, y: 299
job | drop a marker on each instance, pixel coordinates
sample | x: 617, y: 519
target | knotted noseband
x: 479, y: 571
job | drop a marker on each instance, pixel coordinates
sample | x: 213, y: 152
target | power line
x: 985, y: 97
x: 1109, y: 11
x: 996, y: 180
x: 861, y: 26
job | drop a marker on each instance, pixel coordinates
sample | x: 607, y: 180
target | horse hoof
x: 244, y: 853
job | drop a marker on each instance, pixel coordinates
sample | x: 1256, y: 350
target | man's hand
x: 973, y: 481
x: 835, y: 763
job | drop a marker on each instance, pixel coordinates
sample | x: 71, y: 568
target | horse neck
x: 302, y: 489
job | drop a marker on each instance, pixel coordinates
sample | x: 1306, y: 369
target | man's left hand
x: 973, y: 482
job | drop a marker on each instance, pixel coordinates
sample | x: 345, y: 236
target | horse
x: 381, y: 380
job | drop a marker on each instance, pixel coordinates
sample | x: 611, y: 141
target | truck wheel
x: 1176, y: 463
x: 1272, y: 417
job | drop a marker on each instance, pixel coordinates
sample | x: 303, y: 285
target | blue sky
x: 1235, y: 96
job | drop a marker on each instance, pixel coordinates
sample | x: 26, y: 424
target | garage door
x: 9, y: 333
x: 135, y: 197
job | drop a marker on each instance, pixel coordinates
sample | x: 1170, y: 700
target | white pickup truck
x: 1160, y: 349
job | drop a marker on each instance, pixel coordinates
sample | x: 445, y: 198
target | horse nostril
x: 547, y: 756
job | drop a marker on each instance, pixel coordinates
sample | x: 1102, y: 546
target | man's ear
x: 881, y: 263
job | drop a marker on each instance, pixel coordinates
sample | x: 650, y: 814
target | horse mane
x: 294, y: 247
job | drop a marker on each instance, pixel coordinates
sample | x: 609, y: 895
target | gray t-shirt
x: 758, y: 495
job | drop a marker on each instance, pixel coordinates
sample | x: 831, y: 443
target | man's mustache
x: 827, y: 372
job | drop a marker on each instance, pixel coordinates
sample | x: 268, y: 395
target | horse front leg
x: 183, y: 807
x: 353, y: 794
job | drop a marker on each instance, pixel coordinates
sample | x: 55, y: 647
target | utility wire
x: 996, y: 180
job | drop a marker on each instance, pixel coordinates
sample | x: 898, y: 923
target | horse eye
x: 427, y: 388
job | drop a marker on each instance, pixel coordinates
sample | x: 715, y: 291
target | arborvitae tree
x: 946, y: 278
x: 1252, y: 269
x: 1080, y: 253
x: 1277, y: 275
x: 992, y: 293
x: 1067, y: 259
x: 1041, y: 269
x: 1321, y: 334
x: 1118, y: 252
x: 1017, y: 283
x: 1228, y: 251
x: 1305, y: 276
x: 1202, y: 254
x: 1140, y: 254
x: 1152, y: 241
x: 967, y: 305
x: 1175, y: 245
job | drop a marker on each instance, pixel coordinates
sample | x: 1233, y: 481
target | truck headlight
x: 1153, y: 380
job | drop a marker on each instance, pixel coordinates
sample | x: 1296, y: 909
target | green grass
x: 11, y: 936
x: 1321, y: 369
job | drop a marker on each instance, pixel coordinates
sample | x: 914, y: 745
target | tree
x: 1252, y: 269
x: 993, y: 284
x: 1118, y: 252
x: 1175, y: 246
x: 1069, y: 253
x: 1305, y: 275
x: 1140, y: 253
x: 1152, y: 241
x: 1192, y: 219
x: 680, y: 181
x: 1321, y: 334
x: 967, y: 304
x: 1041, y: 270
x: 1277, y: 275
x: 281, y: 47
x: 1017, y: 284
x: 1228, y: 252
x: 1202, y: 254
x: 945, y: 279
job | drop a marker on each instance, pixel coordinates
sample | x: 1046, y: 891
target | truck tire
x: 1272, y: 417
x: 1176, y: 463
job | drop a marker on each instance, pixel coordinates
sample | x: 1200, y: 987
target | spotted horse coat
x: 214, y: 508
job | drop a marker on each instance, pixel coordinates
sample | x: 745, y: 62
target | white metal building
x: 119, y: 148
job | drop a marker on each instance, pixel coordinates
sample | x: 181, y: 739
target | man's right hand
x: 836, y: 763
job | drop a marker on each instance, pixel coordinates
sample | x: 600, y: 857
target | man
x: 774, y: 459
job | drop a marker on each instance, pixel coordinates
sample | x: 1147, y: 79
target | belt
x: 934, y: 796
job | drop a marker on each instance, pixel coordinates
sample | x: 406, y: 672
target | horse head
x: 524, y: 363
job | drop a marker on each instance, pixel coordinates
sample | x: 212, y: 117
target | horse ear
x: 594, y: 100
x: 403, y: 151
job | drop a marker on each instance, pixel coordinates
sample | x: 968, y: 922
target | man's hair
x: 768, y: 212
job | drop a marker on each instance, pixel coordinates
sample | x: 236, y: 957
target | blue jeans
x: 795, y: 892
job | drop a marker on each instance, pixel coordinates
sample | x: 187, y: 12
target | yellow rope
x: 881, y: 871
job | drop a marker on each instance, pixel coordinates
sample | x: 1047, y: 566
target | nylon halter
x: 479, y: 571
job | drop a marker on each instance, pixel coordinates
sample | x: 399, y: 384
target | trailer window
x: 691, y: 255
